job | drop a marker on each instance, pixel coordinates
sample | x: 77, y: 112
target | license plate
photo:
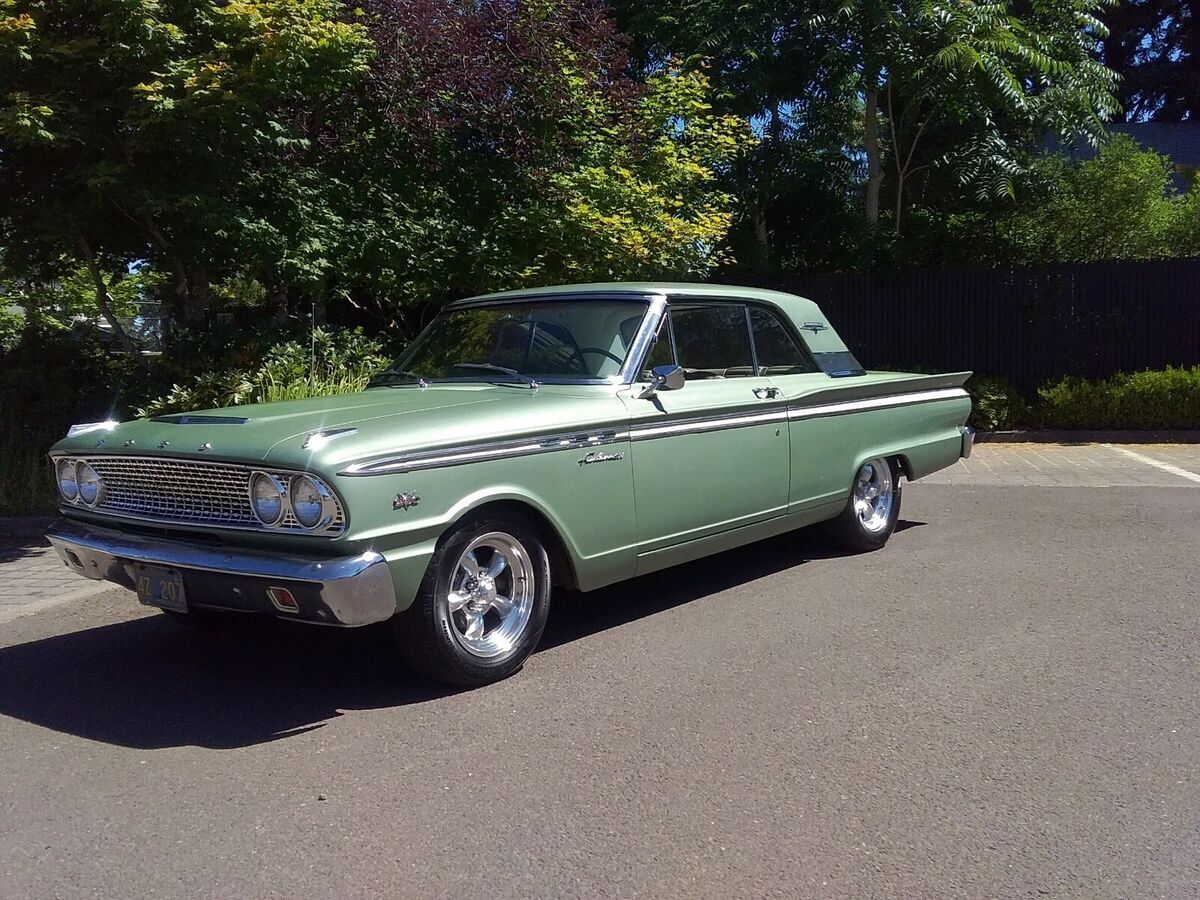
x: 161, y: 587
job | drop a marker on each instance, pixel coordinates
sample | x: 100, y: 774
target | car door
x: 713, y: 455
x: 821, y: 447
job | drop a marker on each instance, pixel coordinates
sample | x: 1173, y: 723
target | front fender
x: 590, y: 508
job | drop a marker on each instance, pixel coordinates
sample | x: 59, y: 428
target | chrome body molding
x: 351, y: 590
x: 453, y: 456
x: 469, y: 453
x: 852, y: 406
x: 698, y: 424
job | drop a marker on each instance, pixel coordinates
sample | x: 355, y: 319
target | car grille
x: 189, y: 492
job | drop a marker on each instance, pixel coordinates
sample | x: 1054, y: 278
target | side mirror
x: 663, y: 378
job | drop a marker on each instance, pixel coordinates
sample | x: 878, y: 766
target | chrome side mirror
x: 663, y: 378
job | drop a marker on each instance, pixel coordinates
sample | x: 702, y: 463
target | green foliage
x: 26, y: 480
x: 11, y: 325
x: 62, y: 302
x: 1119, y: 205
x: 331, y: 362
x: 996, y: 404
x: 1167, y: 399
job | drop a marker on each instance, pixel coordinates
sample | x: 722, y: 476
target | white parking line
x: 1166, y: 467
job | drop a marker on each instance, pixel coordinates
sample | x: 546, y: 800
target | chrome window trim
x: 655, y: 302
x: 507, y: 449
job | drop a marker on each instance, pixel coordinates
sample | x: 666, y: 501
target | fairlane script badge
x: 598, y: 456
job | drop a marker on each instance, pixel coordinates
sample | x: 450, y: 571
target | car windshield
x: 571, y: 340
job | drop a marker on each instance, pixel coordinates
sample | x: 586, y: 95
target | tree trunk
x: 899, y: 203
x: 874, y: 158
x: 104, y: 304
x: 759, y: 218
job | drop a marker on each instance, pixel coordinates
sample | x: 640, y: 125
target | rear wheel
x: 482, y: 605
x: 873, y: 509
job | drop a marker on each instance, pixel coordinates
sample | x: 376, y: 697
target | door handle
x: 766, y: 393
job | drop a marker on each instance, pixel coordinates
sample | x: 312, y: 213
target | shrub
x: 330, y: 362
x: 1168, y: 398
x: 26, y: 482
x: 996, y: 404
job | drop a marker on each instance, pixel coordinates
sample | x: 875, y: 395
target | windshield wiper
x: 386, y: 376
x: 492, y: 367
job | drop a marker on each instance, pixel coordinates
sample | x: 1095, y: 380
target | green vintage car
x: 572, y: 436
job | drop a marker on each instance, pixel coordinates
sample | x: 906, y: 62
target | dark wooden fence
x: 1029, y: 325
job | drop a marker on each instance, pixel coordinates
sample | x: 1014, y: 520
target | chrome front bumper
x: 349, y: 590
x: 968, y: 441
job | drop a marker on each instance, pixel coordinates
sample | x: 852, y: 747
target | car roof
x: 697, y: 290
x: 799, y: 309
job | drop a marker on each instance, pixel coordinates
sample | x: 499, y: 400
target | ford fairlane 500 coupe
x: 572, y: 436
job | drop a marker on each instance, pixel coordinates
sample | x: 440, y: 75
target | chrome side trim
x: 356, y: 590
x: 201, y: 420
x: 710, y: 423
x: 850, y: 406
x: 454, y: 456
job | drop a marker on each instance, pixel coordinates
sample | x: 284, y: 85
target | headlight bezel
x: 328, y: 505
x: 82, y: 466
x: 69, y: 465
x: 282, y: 493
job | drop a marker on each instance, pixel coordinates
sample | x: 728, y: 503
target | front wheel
x: 873, y: 509
x: 482, y: 605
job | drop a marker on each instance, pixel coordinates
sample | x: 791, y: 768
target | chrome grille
x: 185, y: 491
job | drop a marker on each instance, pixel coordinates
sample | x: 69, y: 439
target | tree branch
x: 104, y: 303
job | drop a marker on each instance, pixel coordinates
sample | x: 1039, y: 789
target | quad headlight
x: 266, y: 496
x: 312, y: 503
x: 64, y: 471
x: 89, y: 483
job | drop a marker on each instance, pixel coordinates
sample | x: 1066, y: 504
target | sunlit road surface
x: 1001, y: 702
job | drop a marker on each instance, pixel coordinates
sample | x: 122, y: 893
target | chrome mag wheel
x: 491, y: 594
x: 874, y: 494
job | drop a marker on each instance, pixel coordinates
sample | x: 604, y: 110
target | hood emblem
x: 163, y: 445
x: 207, y: 445
x: 129, y: 443
x: 406, y: 500
x: 100, y: 443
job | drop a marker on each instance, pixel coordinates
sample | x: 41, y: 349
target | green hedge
x: 1144, y: 401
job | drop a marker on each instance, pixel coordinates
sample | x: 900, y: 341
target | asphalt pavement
x: 1002, y: 702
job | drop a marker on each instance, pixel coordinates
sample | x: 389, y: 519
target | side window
x: 775, y: 348
x: 660, y: 353
x: 712, y: 340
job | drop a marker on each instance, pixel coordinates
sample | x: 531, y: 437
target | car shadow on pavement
x: 153, y: 683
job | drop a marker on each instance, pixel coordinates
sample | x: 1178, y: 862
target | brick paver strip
x: 33, y: 577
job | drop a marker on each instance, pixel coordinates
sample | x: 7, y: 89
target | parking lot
x: 1002, y: 702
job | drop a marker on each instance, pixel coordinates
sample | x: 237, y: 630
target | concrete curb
x: 1088, y: 437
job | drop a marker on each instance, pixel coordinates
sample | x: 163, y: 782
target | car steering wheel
x: 577, y: 354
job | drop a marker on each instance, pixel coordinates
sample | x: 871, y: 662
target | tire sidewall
x: 476, y: 668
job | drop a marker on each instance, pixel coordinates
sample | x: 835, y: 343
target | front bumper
x: 350, y: 590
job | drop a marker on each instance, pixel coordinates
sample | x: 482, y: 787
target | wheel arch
x: 562, y: 562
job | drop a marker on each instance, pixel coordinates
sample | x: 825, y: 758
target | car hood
x: 385, y: 420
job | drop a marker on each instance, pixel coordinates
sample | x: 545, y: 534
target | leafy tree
x: 176, y: 133
x: 508, y: 144
x: 894, y: 88
x: 1119, y: 205
x: 1154, y: 46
